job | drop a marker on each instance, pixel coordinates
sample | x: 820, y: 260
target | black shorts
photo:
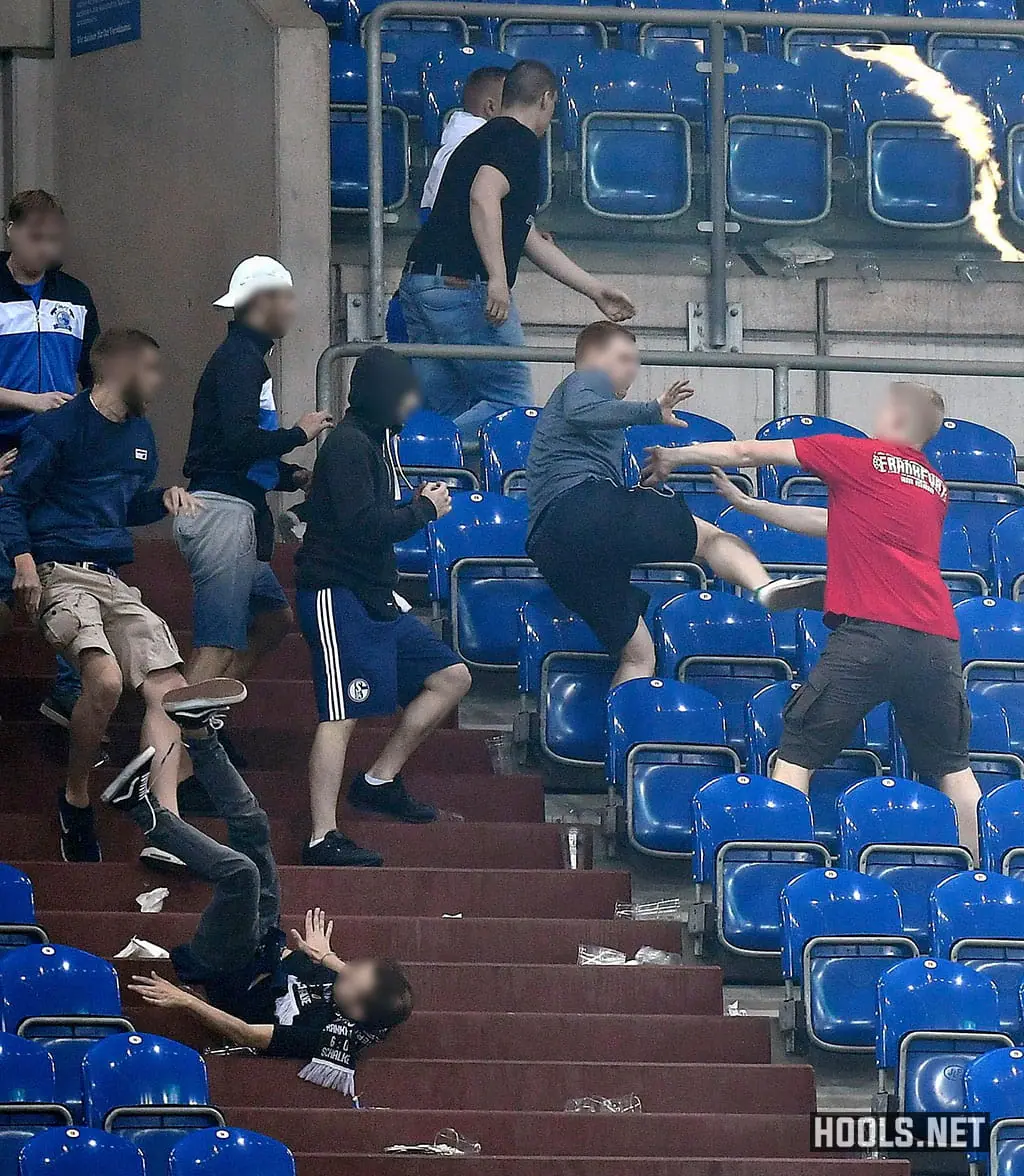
x: 866, y: 663
x: 588, y: 541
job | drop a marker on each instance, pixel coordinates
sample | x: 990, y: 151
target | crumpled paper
x: 152, y: 901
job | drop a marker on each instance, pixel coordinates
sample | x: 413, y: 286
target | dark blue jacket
x: 79, y: 482
x: 44, y: 348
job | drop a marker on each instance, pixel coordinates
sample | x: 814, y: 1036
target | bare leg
x: 793, y: 775
x: 729, y: 557
x: 442, y: 692
x: 962, y: 789
x: 101, y: 692
x: 326, y: 769
x: 161, y: 732
x: 209, y: 661
x: 638, y: 658
x: 266, y: 633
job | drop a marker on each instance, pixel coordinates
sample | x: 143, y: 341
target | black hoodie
x: 353, y: 514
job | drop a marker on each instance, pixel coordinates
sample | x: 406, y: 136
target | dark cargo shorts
x: 866, y: 663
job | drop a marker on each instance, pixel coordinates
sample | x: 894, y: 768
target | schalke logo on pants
x: 359, y: 690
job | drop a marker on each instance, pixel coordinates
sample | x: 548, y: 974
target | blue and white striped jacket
x: 44, y: 349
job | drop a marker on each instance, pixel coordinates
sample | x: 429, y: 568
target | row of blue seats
x: 216, y: 1151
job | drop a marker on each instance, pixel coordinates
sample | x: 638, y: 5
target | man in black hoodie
x: 370, y: 655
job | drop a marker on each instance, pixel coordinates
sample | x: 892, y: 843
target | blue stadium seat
x: 791, y: 43
x: 564, y: 678
x: 348, y: 75
x: 646, y: 36
x: 996, y: 755
x: 18, y: 925
x: 28, y: 1101
x: 1005, y: 108
x: 971, y: 64
x: 827, y: 70
x: 504, y: 448
x: 557, y: 45
x: 994, y: 1086
x: 965, y: 573
x: 917, y: 174
x: 1007, y: 544
x: 752, y: 836
x: 812, y: 636
x: 480, y: 576
x: 618, y: 110
x: 333, y: 12
x: 934, y: 1018
x: 779, y: 550
x: 430, y: 449
x: 1001, y: 828
x: 840, y: 931
x: 764, y: 733
x: 724, y: 644
x: 992, y: 648
x: 976, y: 919
x: 792, y: 482
x: 64, y: 999
x: 779, y: 150
x: 665, y: 740
x: 150, y: 1091
x: 80, y: 1151
x: 443, y: 78
x: 976, y: 10
x: 411, y: 554
x: 694, y: 482
x: 350, y: 184
x: 905, y: 834
x: 230, y: 1151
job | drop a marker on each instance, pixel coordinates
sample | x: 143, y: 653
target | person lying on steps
x: 301, y: 1002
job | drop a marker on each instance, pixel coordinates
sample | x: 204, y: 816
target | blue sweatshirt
x: 580, y: 435
x: 44, y: 344
x: 79, y: 482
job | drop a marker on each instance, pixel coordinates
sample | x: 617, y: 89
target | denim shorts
x: 230, y: 584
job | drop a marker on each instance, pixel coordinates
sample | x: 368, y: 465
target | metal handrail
x: 779, y: 365
x: 717, y: 23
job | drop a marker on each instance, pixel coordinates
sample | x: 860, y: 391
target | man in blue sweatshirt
x: 240, y: 611
x: 48, y: 324
x: 84, y: 475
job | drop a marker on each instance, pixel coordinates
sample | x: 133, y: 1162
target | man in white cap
x: 240, y: 611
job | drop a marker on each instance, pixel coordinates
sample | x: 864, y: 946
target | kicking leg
x: 160, y: 732
x: 638, y: 659
x: 793, y: 775
x: 733, y: 560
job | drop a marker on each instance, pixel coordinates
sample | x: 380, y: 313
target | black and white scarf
x: 341, y: 1040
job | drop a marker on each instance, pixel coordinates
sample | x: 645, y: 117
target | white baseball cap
x: 255, y: 276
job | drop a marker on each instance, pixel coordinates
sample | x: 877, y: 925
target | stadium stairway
x: 507, y: 1026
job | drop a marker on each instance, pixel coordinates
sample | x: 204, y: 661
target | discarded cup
x: 577, y: 847
x: 664, y: 909
x: 502, y: 752
x: 654, y: 955
x: 628, y: 1104
x: 592, y: 954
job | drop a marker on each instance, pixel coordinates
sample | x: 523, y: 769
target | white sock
x: 314, y: 841
x: 374, y: 782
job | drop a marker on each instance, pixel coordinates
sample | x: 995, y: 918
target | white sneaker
x: 782, y: 595
x: 142, y: 949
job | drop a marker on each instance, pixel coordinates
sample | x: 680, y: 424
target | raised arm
x: 804, y: 520
x: 546, y: 256
x: 662, y: 461
x: 587, y: 408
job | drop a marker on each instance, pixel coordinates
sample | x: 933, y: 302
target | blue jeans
x: 469, y: 391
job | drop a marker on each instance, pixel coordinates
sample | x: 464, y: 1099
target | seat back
x: 430, y: 446
x: 773, y: 481
x: 79, y: 1151
x: 889, y: 810
x: 963, y: 451
x: 49, y: 980
x: 1001, y: 828
x: 444, y: 75
x: 141, y: 1070
x: 995, y: 755
x: 612, y: 81
x: 695, y: 482
x: 992, y: 630
x: 745, y: 807
x: 1007, y: 542
x: 350, y: 168
x: 504, y: 449
x: 545, y: 629
x: 26, y: 1071
x: 480, y: 525
x: 994, y: 1085
x: 777, y: 548
x: 228, y: 1151
x: 17, y: 910
x: 557, y: 44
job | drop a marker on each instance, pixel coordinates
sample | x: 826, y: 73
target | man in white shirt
x: 481, y: 101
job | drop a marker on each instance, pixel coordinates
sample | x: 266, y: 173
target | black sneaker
x: 337, y: 850
x: 130, y: 787
x: 783, y: 595
x: 205, y: 704
x: 390, y: 800
x: 77, y: 832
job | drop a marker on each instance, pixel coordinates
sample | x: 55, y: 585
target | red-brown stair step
x: 420, y: 1165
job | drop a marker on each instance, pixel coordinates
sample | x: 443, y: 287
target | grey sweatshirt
x: 580, y: 436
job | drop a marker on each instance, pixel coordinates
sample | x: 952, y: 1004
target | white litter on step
x: 733, y: 1010
x: 142, y: 949
x: 447, y: 1142
x: 664, y: 909
x: 591, y: 954
x: 457, y: 916
x: 152, y: 901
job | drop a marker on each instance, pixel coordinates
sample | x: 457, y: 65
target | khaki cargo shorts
x: 83, y: 609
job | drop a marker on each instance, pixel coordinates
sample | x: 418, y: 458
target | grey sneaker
x: 205, y: 704
x: 130, y: 787
x: 783, y: 595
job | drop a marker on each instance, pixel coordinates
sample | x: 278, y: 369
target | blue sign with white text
x: 100, y: 24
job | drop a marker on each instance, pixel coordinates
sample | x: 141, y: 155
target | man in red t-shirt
x: 895, y: 637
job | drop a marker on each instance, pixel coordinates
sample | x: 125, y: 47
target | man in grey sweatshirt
x: 588, y: 530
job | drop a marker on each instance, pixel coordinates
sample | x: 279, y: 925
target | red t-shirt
x: 886, y: 507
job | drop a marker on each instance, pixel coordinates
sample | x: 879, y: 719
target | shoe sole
x: 347, y: 865
x: 161, y: 863
x: 369, y: 808
x: 188, y: 700
x: 57, y: 717
x: 109, y: 794
x: 785, y: 595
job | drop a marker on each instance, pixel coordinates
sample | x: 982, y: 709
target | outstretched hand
x: 676, y: 394
x: 728, y: 489
x: 658, y: 465
x: 316, y: 942
x: 155, y: 990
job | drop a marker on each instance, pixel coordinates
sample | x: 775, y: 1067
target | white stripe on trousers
x: 332, y: 657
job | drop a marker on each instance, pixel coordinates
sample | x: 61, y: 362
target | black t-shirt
x: 447, y: 238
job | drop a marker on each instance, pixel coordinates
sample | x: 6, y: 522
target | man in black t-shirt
x: 463, y: 263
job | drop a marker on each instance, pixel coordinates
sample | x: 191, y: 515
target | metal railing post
x: 375, y: 151
x: 717, y: 295
x: 780, y: 391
